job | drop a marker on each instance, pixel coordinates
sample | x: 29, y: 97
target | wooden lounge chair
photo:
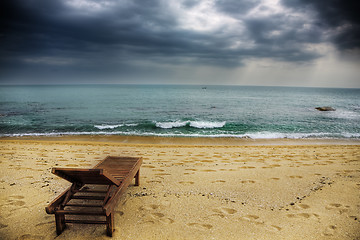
x: 94, y: 192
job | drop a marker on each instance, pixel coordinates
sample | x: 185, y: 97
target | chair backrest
x: 86, y: 176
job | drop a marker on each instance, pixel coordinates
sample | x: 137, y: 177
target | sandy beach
x: 191, y: 189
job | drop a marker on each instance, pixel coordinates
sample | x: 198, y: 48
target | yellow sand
x: 218, y: 190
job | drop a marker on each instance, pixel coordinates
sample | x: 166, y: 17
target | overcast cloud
x: 252, y: 42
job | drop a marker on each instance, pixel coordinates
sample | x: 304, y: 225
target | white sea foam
x: 194, y: 124
x: 351, y: 135
x: 277, y: 135
x: 167, y: 125
x: 203, y: 124
x: 104, y: 126
x: 101, y: 127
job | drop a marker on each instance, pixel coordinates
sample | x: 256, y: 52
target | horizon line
x: 168, y: 84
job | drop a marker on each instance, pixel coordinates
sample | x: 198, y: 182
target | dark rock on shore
x: 325, y: 108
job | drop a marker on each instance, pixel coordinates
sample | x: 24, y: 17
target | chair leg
x: 110, y: 225
x: 137, y: 178
x: 60, y: 223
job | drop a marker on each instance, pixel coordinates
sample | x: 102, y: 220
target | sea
x: 179, y: 111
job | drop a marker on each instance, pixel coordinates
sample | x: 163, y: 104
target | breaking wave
x: 194, y: 124
x: 102, y: 127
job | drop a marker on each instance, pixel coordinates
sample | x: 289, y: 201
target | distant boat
x: 203, y: 87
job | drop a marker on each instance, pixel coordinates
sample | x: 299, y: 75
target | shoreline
x: 191, y: 141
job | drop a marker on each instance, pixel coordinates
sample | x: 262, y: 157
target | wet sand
x: 191, y: 188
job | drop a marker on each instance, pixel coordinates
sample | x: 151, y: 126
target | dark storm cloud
x: 340, y: 16
x: 235, y: 7
x: 118, y: 37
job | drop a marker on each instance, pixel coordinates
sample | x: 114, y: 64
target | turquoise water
x: 211, y: 111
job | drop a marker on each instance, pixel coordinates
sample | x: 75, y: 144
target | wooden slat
x: 83, y: 205
x: 85, y: 221
x: 89, y: 197
x: 92, y: 191
x: 80, y: 212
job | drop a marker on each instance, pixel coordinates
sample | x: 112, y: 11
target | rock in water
x: 325, y: 108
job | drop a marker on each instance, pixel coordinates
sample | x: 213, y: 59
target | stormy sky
x: 236, y: 42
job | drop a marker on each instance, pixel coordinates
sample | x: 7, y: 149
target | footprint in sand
x: 44, y: 223
x: 208, y: 170
x: 272, y: 166
x: 330, y: 230
x: 30, y: 237
x: 158, y: 170
x: 120, y: 213
x: 223, y: 212
x: 191, y: 169
x: 256, y: 220
x: 247, y: 181
x: 186, y: 182
x: 157, y: 215
x: 304, y: 206
x: 167, y: 220
x: 178, y: 163
x: 274, y: 228
x: 149, y: 207
x: 148, y: 166
x: 15, y: 201
x: 337, y: 207
x: 3, y: 225
x: 162, y: 174
x: 307, y: 164
x: 303, y: 215
x: 154, y: 181
x: 295, y: 177
x: 218, y: 181
x: 200, y: 226
x: 17, y: 197
x: 247, y: 167
x: 252, y: 218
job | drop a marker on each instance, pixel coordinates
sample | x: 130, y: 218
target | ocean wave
x: 104, y: 126
x: 279, y: 135
x: 201, y: 124
x: 167, y: 125
x: 101, y: 127
x: 194, y: 124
